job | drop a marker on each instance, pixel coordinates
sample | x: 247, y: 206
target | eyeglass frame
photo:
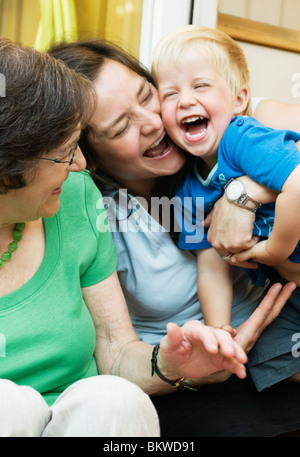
x: 69, y: 162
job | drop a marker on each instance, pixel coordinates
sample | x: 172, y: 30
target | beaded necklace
x: 13, y: 245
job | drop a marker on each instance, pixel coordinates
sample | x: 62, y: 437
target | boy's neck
x: 203, y: 169
x: 206, y: 165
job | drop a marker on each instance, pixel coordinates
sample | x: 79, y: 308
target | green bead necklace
x: 13, y: 245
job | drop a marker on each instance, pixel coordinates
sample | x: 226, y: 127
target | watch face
x: 235, y: 190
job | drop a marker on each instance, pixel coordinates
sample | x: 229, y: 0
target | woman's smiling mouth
x: 56, y: 191
x: 159, y: 148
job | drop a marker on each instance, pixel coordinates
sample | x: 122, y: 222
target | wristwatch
x: 236, y: 193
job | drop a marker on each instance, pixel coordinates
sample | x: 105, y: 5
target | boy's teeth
x: 192, y: 119
x: 197, y: 135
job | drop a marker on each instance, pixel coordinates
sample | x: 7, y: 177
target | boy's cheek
x: 168, y: 114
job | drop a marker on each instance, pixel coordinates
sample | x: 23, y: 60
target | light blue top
x: 158, y: 279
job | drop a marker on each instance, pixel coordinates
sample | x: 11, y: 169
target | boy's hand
x: 258, y: 253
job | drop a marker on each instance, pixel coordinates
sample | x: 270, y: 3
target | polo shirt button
x: 240, y: 122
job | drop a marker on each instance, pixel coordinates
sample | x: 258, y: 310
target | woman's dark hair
x: 44, y: 103
x: 87, y: 59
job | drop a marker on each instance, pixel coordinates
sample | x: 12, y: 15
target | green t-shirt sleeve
x: 105, y: 259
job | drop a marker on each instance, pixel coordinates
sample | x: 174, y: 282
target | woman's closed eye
x: 122, y: 129
x: 145, y: 95
x: 72, y: 150
x: 66, y: 157
x: 148, y: 95
x: 146, y: 98
x: 69, y: 154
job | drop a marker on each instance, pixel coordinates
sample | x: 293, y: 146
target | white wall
x: 274, y: 73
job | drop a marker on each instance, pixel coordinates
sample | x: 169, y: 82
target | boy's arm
x: 231, y: 227
x: 215, y: 287
x: 286, y: 230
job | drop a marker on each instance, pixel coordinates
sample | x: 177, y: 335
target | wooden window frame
x: 259, y: 33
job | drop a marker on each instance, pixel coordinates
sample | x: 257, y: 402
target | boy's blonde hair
x: 226, y: 56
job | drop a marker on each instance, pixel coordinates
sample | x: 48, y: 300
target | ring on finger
x: 226, y: 257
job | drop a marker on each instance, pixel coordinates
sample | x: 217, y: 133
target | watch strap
x: 248, y: 203
x: 244, y: 201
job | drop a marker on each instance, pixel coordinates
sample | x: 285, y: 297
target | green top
x: 47, y: 334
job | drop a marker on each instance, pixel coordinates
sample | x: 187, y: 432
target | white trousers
x: 100, y: 406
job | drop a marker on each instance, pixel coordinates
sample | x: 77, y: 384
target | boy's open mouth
x: 194, y: 127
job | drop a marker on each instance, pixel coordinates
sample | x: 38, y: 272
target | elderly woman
x: 64, y: 319
x: 134, y: 163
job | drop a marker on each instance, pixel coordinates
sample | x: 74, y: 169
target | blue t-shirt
x: 266, y: 155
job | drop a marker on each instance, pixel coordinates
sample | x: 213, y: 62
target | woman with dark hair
x: 134, y: 164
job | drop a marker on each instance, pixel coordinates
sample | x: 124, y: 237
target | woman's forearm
x: 118, y: 350
x: 194, y: 350
x: 278, y: 115
x: 286, y: 229
x: 285, y: 233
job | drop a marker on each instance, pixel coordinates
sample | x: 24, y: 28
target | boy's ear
x: 241, y: 101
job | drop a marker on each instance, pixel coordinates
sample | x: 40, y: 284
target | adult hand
x: 248, y: 332
x: 265, y: 313
x: 230, y: 228
x: 195, y: 350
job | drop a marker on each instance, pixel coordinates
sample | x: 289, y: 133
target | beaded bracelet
x: 180, y: 384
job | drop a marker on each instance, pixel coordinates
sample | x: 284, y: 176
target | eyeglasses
x: 69, y: 162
